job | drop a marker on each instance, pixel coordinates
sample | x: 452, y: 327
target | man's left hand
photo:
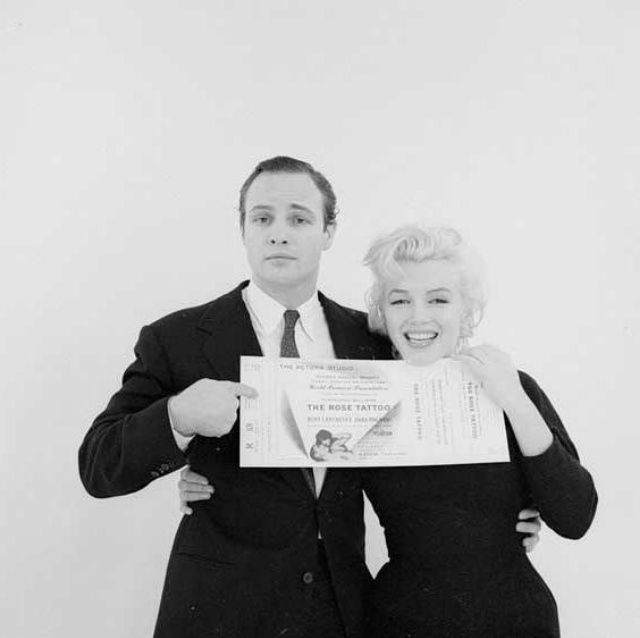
x: 529, y: 524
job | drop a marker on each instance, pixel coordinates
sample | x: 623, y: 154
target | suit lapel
x: 228, y: 334
x: 350, y: 335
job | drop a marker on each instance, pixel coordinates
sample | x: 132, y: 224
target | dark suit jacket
x: 237, y: 564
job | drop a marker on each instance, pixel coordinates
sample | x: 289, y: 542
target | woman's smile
x: 420, y: 338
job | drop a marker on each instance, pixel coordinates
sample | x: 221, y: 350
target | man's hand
x: 192, y: 487
x: 530, y: 525
x: 207, y: 407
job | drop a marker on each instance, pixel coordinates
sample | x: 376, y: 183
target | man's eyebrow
x: 301, y: 208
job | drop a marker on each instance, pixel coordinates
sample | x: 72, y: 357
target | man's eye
x: 260, y: 220
x: 300, y: 221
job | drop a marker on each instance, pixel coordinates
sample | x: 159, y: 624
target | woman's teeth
x: 420, y: 338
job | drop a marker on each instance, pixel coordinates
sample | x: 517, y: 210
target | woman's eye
x: 439, y: 300
x: 398, y: 302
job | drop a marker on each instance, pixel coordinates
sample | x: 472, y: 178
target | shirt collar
x: 269, y: 312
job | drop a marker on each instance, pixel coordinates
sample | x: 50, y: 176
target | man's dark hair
x: 284, y: 164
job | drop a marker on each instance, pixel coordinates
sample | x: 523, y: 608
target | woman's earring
x: 465, y: 333
x: 382, y: 324
x: 463, y: 342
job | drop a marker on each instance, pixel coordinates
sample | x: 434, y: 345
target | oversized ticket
x: 366, y: 413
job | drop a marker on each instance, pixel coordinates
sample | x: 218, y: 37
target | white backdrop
x: 126, y: 129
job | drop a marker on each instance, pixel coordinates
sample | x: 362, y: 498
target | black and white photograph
x: 417, y: 184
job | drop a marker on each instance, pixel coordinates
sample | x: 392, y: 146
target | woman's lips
x: 421, y: 339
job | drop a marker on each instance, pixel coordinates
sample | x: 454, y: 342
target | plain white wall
x: 126, y: 129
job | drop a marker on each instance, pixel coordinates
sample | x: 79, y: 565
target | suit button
x: 155, y: 474
x: 307, y: 578
x: 164, y: 467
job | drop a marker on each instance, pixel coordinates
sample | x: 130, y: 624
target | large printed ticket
x: 366, y: 413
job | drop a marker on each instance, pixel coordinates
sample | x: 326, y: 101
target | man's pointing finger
x: 241, y: 389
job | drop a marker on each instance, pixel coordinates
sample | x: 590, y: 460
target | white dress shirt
x: 267, y: 319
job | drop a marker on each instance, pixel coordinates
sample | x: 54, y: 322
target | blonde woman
x: 456, y: 567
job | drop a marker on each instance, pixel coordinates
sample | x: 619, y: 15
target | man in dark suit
x: 274, y: 552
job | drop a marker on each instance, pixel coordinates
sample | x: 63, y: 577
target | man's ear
x: 329, y: 232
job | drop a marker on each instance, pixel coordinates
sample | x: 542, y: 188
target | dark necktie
x: 288, y: 346
x: 289, y: 349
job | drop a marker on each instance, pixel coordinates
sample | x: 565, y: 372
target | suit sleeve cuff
x: 182, y: 441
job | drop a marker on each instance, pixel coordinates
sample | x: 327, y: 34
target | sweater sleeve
x: 562, y: 489
x: 131, y: 442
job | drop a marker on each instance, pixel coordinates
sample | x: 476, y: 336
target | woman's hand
x: 499, y: 378
x: 496, y: 372
x: 192, y: 487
